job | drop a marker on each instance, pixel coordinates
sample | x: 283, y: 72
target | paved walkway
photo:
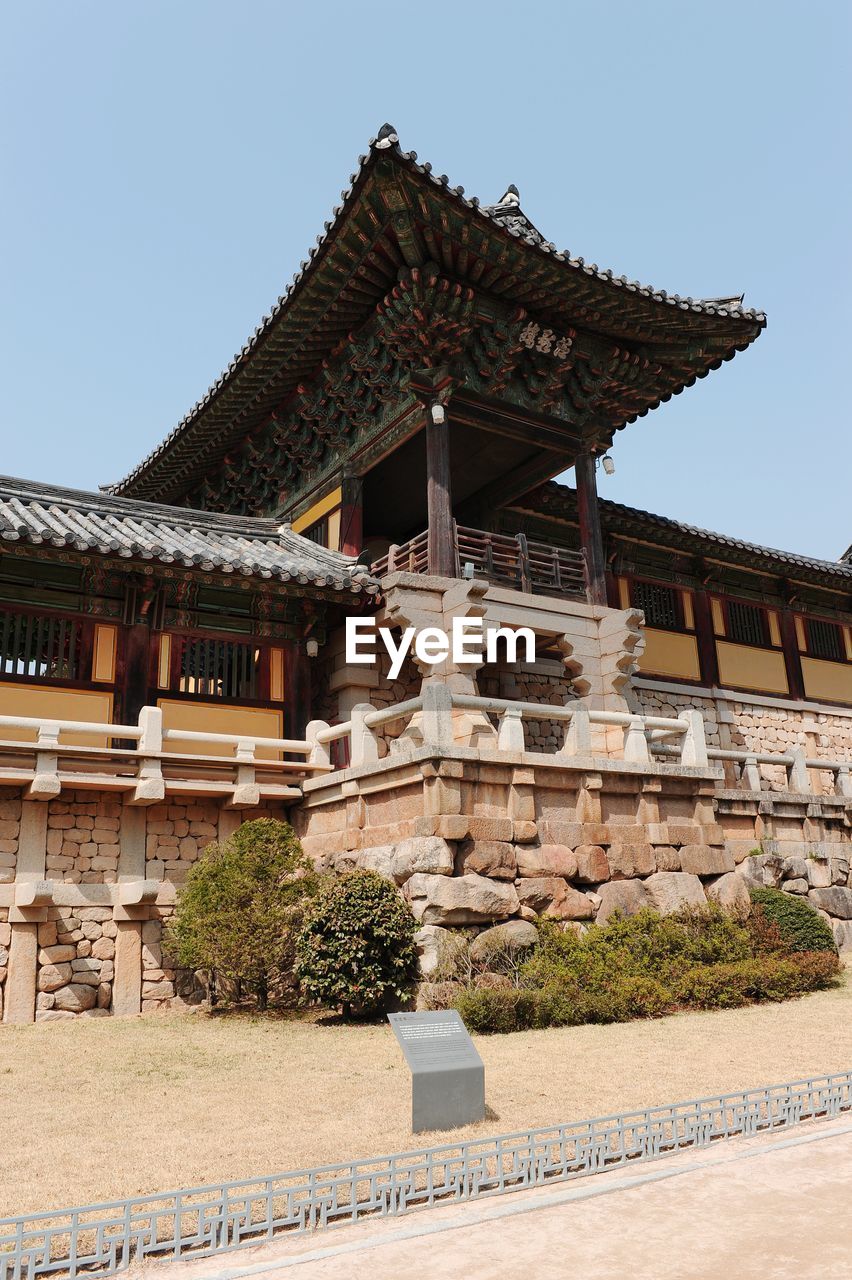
x: 749, y: 1209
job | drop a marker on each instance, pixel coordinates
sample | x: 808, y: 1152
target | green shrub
x: 498, y: 1009
x: 766, y: 977
x: 801, y: 927
x: 356, y: 949
x: 242, y: 905
x: 645, y: 966
x: 642, y: 945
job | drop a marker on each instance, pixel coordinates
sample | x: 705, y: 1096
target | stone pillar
x: 127, y: 983
x: 601, y: 657
x: 352, y: 685
x: 20, y: 994
x: 131, y: 855
x: 32, y: 841
x: 229, y: 820
x: 421, y: 602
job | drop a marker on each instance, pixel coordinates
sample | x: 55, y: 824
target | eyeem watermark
x: 432, y: 645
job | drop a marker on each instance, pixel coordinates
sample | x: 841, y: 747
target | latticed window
x: 41, y: 646
x: 825, y: 640
x: 318, y: 533
x: 747, y: 623
x: 659, y: 604
x: 219, y: 668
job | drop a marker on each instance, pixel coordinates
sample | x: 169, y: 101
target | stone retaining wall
x: 471, y: 837
x: 10, y: 827
x: 84, y: 954
x: 473, y: 843
x: 735, y: 721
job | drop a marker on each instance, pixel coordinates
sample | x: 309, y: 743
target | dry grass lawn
x: 101, y: 1109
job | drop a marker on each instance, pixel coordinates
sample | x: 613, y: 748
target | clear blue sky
x: 167, y: 165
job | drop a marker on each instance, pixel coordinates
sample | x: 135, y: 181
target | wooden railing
x: 511, y: 559
x: 408, y: 557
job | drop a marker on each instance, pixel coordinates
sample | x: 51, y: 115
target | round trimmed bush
x: 356, y: 950
x: 238, y: 914
x: 801, y: 927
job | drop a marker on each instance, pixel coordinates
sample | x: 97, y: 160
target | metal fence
x: 103, y: 1239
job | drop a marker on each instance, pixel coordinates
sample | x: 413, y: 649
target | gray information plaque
x: 447, y: 1074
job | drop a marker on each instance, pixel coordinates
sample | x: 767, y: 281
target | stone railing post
x: 46, y: 782
x: 578, y: 735
x: 694, y: 745
x: 635, y: 742
x: 843, y: 784
x: 246, y: 791
x: 365, y: 747
x: 511, y: 733
x: 319, y: 756
x: 751, y: 774
x: 798, y: 778
x: 437, y: 715
x: 149, y: 787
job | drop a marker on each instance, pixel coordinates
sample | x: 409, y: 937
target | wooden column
x: 136, y: 671
x: 705, y: 638
x: 792, y: 656
x: 298, y: 671
x: 352, y: 516
x: 590, y: 527
x: 441, y: 548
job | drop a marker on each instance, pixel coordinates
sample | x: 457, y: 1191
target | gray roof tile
x: 619, y: 518
x: 40, y: 514
x: 506, y: 214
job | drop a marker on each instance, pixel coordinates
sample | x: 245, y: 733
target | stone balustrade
x: 248, y: 769
x: 45, y: 756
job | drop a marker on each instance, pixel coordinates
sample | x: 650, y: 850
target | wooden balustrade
x: 511, y: 559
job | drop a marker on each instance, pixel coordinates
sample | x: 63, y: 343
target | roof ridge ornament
x: 511, y: 197
x: 386, y: 137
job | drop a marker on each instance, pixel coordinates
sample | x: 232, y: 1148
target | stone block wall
x: 10, y: 827
x: 475, y: 843
x: 76, y: 963
x: 545, y: 683
x: 82, y: 953
x: 82, y: 838
x: 176, y: 833
x: 735, y: 721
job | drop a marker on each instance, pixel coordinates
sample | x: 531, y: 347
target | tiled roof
x: 631, y: 521
x: 715, y: 315
x: 240, y: 546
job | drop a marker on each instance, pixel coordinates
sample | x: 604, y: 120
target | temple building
x: 387, y: 445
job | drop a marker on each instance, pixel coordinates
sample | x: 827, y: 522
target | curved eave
x: 242, y: 393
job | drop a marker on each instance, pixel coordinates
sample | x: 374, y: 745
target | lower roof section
x: 46, y: 515
x: 559, y: 501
